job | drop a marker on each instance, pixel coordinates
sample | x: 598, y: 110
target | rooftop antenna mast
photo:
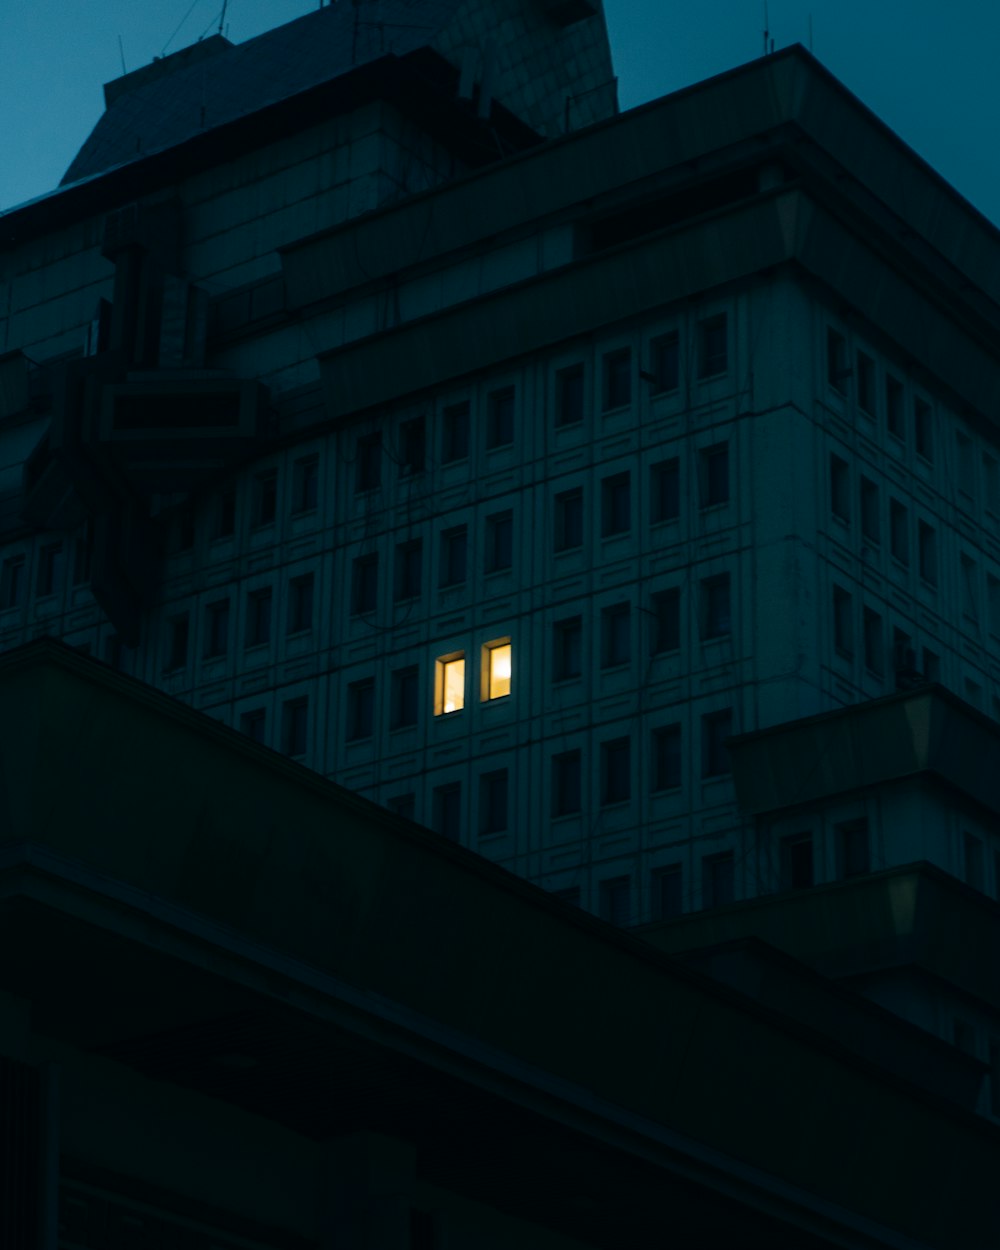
x: 222, y: 16
x: 766, y: 31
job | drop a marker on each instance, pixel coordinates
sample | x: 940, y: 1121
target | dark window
x: 866, y: 383
x: 567, y: 648
x: 666, y: 623
x: 667, y: 757
x: 83, y: 550
x: 927, y: 549
x: 569, y: 395
x: 409, y: 564
x: 616, y: 505
x: 49, y: 569
x: 12, y: 587
x: 294, y: 722
x: 716, y: 727
x: 718, y: 879
x: 616, y: 624
x: 894, y: 419
x: 899, y: 538
x: 994, y: 1053
x: 923, y: 429
x: 454, y: 556
x: 499, y: 541
x: 569, y: 520
x: 448, y: 810
x: 216, y: 629
x: 966, y: 464
x: 713, y: 354
x: 870, y: 526
x: 360, y: 709
x: 223, y: 520
x: 258, y: 623
x: 973, y: 854
x: 500, y: 418
x: 843, y: 632
x: 904, y: 659
x: 664, y: 361
x: 493, y: 801
x: 300, y: 603
x: 617, y: 379
x: 837, y: 371
x: 254, y: 724
x: 715, y: 607
x: 566, y: 782
x: 364, y: 584
x: 667, y: 892
x: 265, y: 498
x: 852, y: 848
x: 615, y: 901
x: 874, y: 646
x: 305, y: 485
x: 368, y: 463
x: 714, y: 464
x: 455, y: 433
x: 840, y: 489
x: 968, y: 587
x: 405, y: 701
x: 178, y: 631
x: 665, y: 489
x: 616, y: 781
x: 797, y: 862
x: 930, y: 665
x: 412, y: 446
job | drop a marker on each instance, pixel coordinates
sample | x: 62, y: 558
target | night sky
x: 928, y: 69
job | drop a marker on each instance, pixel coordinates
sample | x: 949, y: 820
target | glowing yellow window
x: 496, y: 669
x: 449, y: 684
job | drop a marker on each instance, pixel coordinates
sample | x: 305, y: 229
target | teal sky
x: 928, y: 69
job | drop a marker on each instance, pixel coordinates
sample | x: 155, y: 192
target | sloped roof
x: 201, y: 94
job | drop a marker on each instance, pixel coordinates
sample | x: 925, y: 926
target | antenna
x: 222, y: 17
x: 121, y: 53
x: 766, y: 31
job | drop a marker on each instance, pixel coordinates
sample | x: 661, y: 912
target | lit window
x: 496, y: 669
x: 449, y: 684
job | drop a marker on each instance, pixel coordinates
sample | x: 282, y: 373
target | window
x: 718, y: 879
x: 305, y: 485
x: 966, y: 464
x: 178, y: 631
x: 300, y: 604
x: 83, y: 550
x: 923, y: 428
x: 216, y: 629
x: 899, y: 536
x: 894, y: 408
x: 797, y: 861
x: 664, y: 362
x: 49, y: 569
x: 364, y: 584
x: 455, y: 433
x: 852, y: 848
x: 12, y: 582
x: 874, y: 652
x: 294, y: 721
x: 715, y: 613
x: 449, y: 684
x: 409, y: 565
x: 714, y: 475
x: 616, y: 622
x: 667, y: 757
x: 360, y: 709
x: 837, y: 370
x: 994, y: 1053
x: 973, y: 855
x: 866, y: 383
x: 716, y: 728
x: 412, y: 446
x: 615, y: 901
x: 930, y: 665
x: 927, y: 552
x: 993, y: 604
x: 567, y: 648
x: 569, y: 520
x: 617, y: 376
x: 254, y: 724
x: 454, y: 552
x: 615, y: 505
x: 500, y: 419
x: 840, y: 489
x: 843, y: 633
x: 566, y: 779
x: 904, y: 659
x: 569, y: 395
x: 265, y: 498
x: 499, y: 554
x: 368, y: 463
x: 404, y: 697
x: 666, y: 624
x: 870, y: 527
x: 496, y: 669
x: 448, y: 810
x: 493, y: 802
x: 667, y: 892
x: 258, y: 620
x: 223, y: 519
x: 969, y: 587
x: 712, y: 346
x: 665, y: 490
x: 616, y: 782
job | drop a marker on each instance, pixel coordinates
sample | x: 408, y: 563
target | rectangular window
x: 49, y: 569
x: 966, y: 464
x: 716, y: 729
x: 616, y: 505
x: 223, y: 518
x: 923, y: 428
x: 927, y: 552
x: 305, y: 485
x: 404, y: 697
x: 714, y: 474
x: 894, y: 419
x: 617, y: 379
x: 843, y: 632
x: 616, y: 781
x: 254, y: 725
x: 713, y: 349
x: 616, y: 627
x: 300, y: 604
x: 994, y: 1054
x: 718, y: 879
x: 715, y: 607
x: 368, y: 463
x: 12, y: 585
x: 973, y: 854
x: 566, y: 779
x: 409, y: 567
x: 874, y: 647
x: 569, y: 395
x: 449, y: 684
x: 797, y: 861
x: 364, y: 584
x: 258, y: 621
x: 500, y: 419
x: 216, y: 629
x: 83, y: 550
x: 499, y: 554
x: 569, y: 520
x: 664, y: 362
x: 993, y: 604
x: 665, y: 490
x: 294, y: 726
x: 265, y: 498
x: 667, y: 892
x: 567, y: 648
x: 615, y: 901
x: 666, y: 622
x: 667, y: 757
x: 968, y: 587
x: 455, y: 433
x: 412, y: 446
x: 866, y: 383
x: 840, y: 489
x: 852, y: 848
x: 496, y: 669
x: 904, y: 659
x: 454, y: 555
x: 870, y: 527
x: 930, y: 666
x: 493, y: 802
x: 899, y: 532
x: 178, y: 632
x: 360, y: 709
x: 837, y: 371
x: 448, y: 810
